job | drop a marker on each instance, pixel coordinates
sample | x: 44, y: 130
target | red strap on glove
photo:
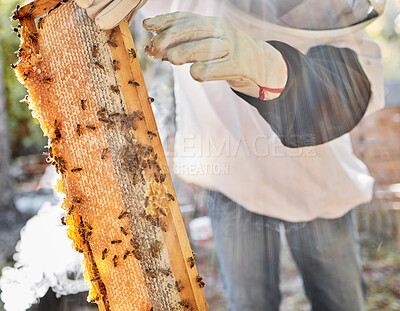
x: 261, y: 94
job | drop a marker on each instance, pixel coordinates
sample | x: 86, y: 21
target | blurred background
x: 54, y: 281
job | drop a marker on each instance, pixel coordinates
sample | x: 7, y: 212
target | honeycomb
x: 115, y: 196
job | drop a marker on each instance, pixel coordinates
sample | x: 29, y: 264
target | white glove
x: 109, y: 13
x: 219, y: 51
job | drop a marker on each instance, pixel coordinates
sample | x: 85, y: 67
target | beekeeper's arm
x: 307, y: 99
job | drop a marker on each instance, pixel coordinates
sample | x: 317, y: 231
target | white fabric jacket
x: 223, y: 144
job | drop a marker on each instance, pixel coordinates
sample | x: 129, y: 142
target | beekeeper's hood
x: 311, y: 14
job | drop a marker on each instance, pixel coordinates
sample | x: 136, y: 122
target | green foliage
x: 25, y: 134
x: 387, y: 33
x: 381, y: 265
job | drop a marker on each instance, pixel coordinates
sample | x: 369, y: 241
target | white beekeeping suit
x: 223, y: 144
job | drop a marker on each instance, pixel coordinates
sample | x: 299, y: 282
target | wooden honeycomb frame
x: 137, y: 99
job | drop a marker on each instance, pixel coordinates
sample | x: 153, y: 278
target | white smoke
x: 44, y: 259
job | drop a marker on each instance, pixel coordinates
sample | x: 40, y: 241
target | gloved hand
x: 219, y: 51
x: 109, y: 13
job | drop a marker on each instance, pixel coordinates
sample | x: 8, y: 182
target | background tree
x: 6, y: 196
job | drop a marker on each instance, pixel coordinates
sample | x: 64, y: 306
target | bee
x: 126, y: 254
x: 115, y: 260
x: 79, y: 129
x: 95, y: 51
x: 115, y: 65
x: 147, y: 150
x: 13, y: 66
x: 157, y: 223
x: 134, y: 243
x: 138, y: 114
x: 97, y: 298
x: 166, y: 272
x: 162, y: 226
x: 104, y: 254
x: 40, y: 23
x: 185, y: 304
x: 170, y: 197
x: 155, y: 249
x: 103, y: 154
x: 146, y: 201
x: 151, y: 134
x: 137, y: 254
x: 101, y: 112
x: 112, y: 43
x: 162, y: 212
x: 88, y: 225
x: 114, y: 88
x: 76, y: 200
x: 91, y: 127
x: 150, y: 273
x: 123, y: 230
x: 178, y: 286
x: 59, y: 164
x: 112, y: 34
x: 46, y: 80
x: 79, y: 250
x: 31, y: 10
x: 114, y: 114
x: 16, y: 30
x: 162, y: 177
x: 98, y: 65
x: 95, y: 279
x: 132, y: 53
x: 63, y: 221
x: 151, y: 100
x: 133, y: 83
x: 83, y: 104
x: 16, y: 12
x: 116, y: 241
x: 76, y: 169
x: 34, y: 37
x: 56, y: 6
x: 191, y: 261
x: 26, y: 75
x: 70, y: 210
x: 50, y: 152
x: 199, y: 280
x: 123, y: 214
x: 56, y: 131
x: 127, y: 121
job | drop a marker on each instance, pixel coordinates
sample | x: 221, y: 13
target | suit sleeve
x: 326, y: 95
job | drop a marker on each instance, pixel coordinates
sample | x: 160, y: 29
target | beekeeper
x: 265, y: 97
